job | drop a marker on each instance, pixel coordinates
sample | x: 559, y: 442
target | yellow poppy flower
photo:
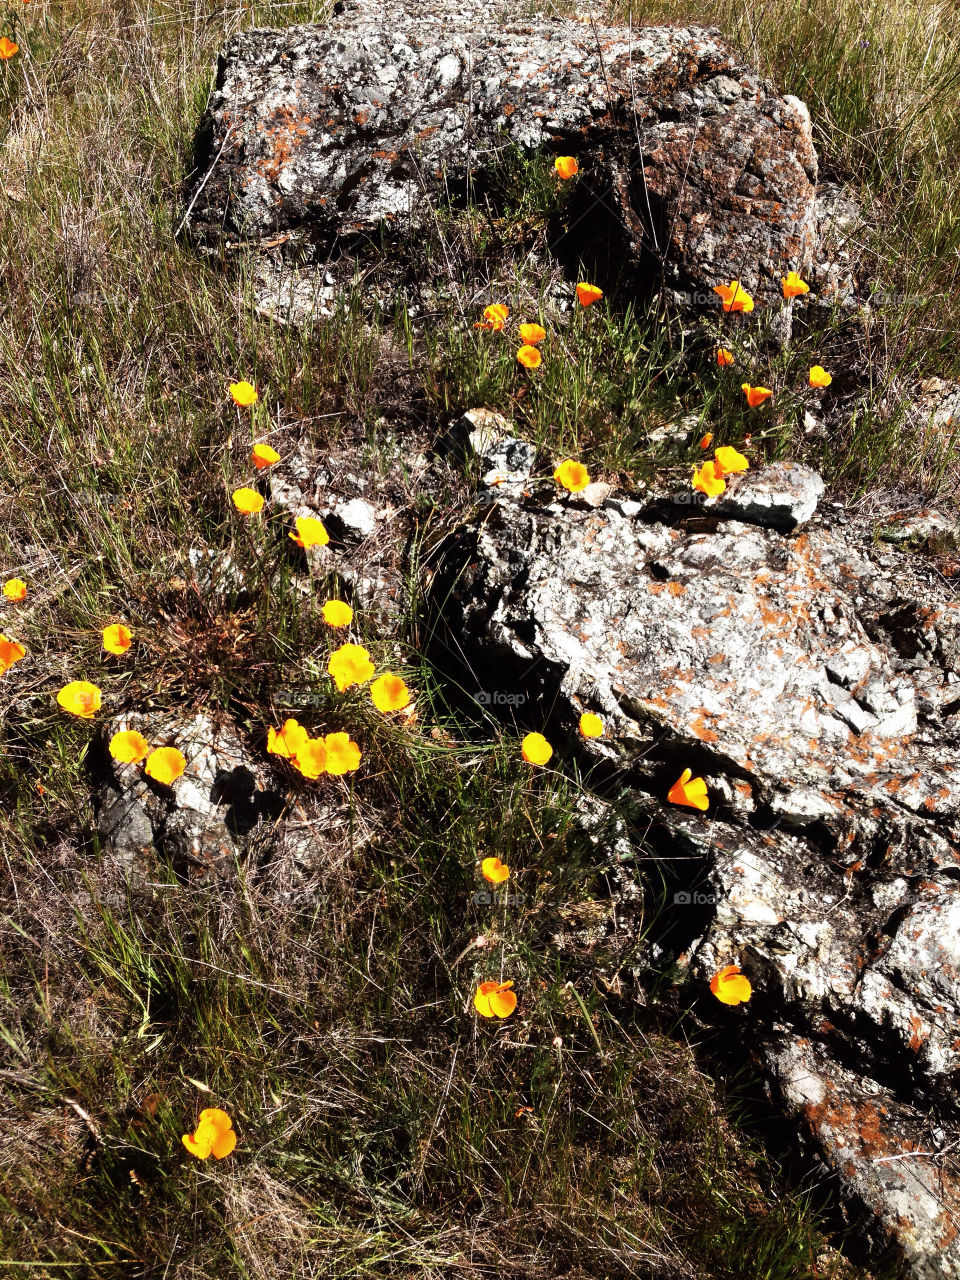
x: 311, y: 757
x: 734, y: 296
x: 572, y: 475
x: 310, y: 532
x: 286, y: 742
x: 730, y: 986
x: 793, y: 286
x: 337, y: 614
x: 755, y: 395
x: 724, y: 357
x: 494, y: 870
x: 819, y: 376
x: 350, y: 664
x: 708, y: 480
x: 566, y: 166
x: 10, y: 652
x: 389, y: 693
x: 117, y: 638
x: 165, y: 765
x: 726, y: 461
x: 535, y: 749
x: 128, y: 746
x: 15, y: 589
x: 263, y: 456
x: 248, y: 501
x: 494, y: 317
x: 587, y: 294
x: 495, y: 999
x: 531, y: 334
x: 529, y: 357
x: 343, y: 755
x: 7, y: 48
x: 591, y: 726
x: 213, y: 1136
x: 80, y: 698
x: 244, y: 394
x: 689, y: 791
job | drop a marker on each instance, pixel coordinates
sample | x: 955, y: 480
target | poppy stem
x: 589, y: 1020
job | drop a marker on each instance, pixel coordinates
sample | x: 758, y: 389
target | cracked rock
x: 791, y: 670
x: 360, y: 126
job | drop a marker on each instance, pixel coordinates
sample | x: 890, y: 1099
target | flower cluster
x: 531, y: 335
x: 163, y: 764
x: 735, y: 298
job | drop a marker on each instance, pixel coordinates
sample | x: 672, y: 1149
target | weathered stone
x: 595, y: 494
x: 201, y: 822
x: 918, y: 527
x: 817, y: 700
x: 782, y: 495
x: 353, y: 518
x: 346, y: 130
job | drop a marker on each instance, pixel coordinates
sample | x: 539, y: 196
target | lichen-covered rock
x: 782, y: 495
x: 360, y: 126
x: 817, y: 698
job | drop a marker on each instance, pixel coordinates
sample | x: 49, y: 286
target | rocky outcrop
x: 328, y: 133
x: 814, y: 685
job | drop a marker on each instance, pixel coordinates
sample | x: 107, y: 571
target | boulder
x: 812, y: 682
x: 690, y: 163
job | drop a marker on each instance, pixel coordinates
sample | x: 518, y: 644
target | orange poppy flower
x: 535, y: 749
x: 263, y: 456
x: 343, y: 755
x: 566, y: 166
x: 248, y: 501
x: 165, y: 765
x: 707, y: 440
x: 531, y: 334
x: 529, y: 357
x: 793, y: 286
x: 213, y: 1135
x: 588, y: 294
x: 734, y: 296
x: 494, y: 870
x: 7, y: 48
x: 350, y: 664
x: 389, y: 693
x: 337, y: 614
x: 286, y: 742
x: 128, y: 746
x: 311, y: 757
x: 80, y: 698
x: 494, y: 317
x: 15, y: 589
x: 755, y: 395
x: 819, y: 376
x: 708, y: 480
x: 10, y: 652
x: 726, y: 461
x: 572, y: 475
x: 117, y: 638
x: 495, y: 999
x: 310, y: 532
x: 591, y: 726
x: 724, y: 357
x: 692, y: 793
x: 244, y: 394
x: 730, y: 986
